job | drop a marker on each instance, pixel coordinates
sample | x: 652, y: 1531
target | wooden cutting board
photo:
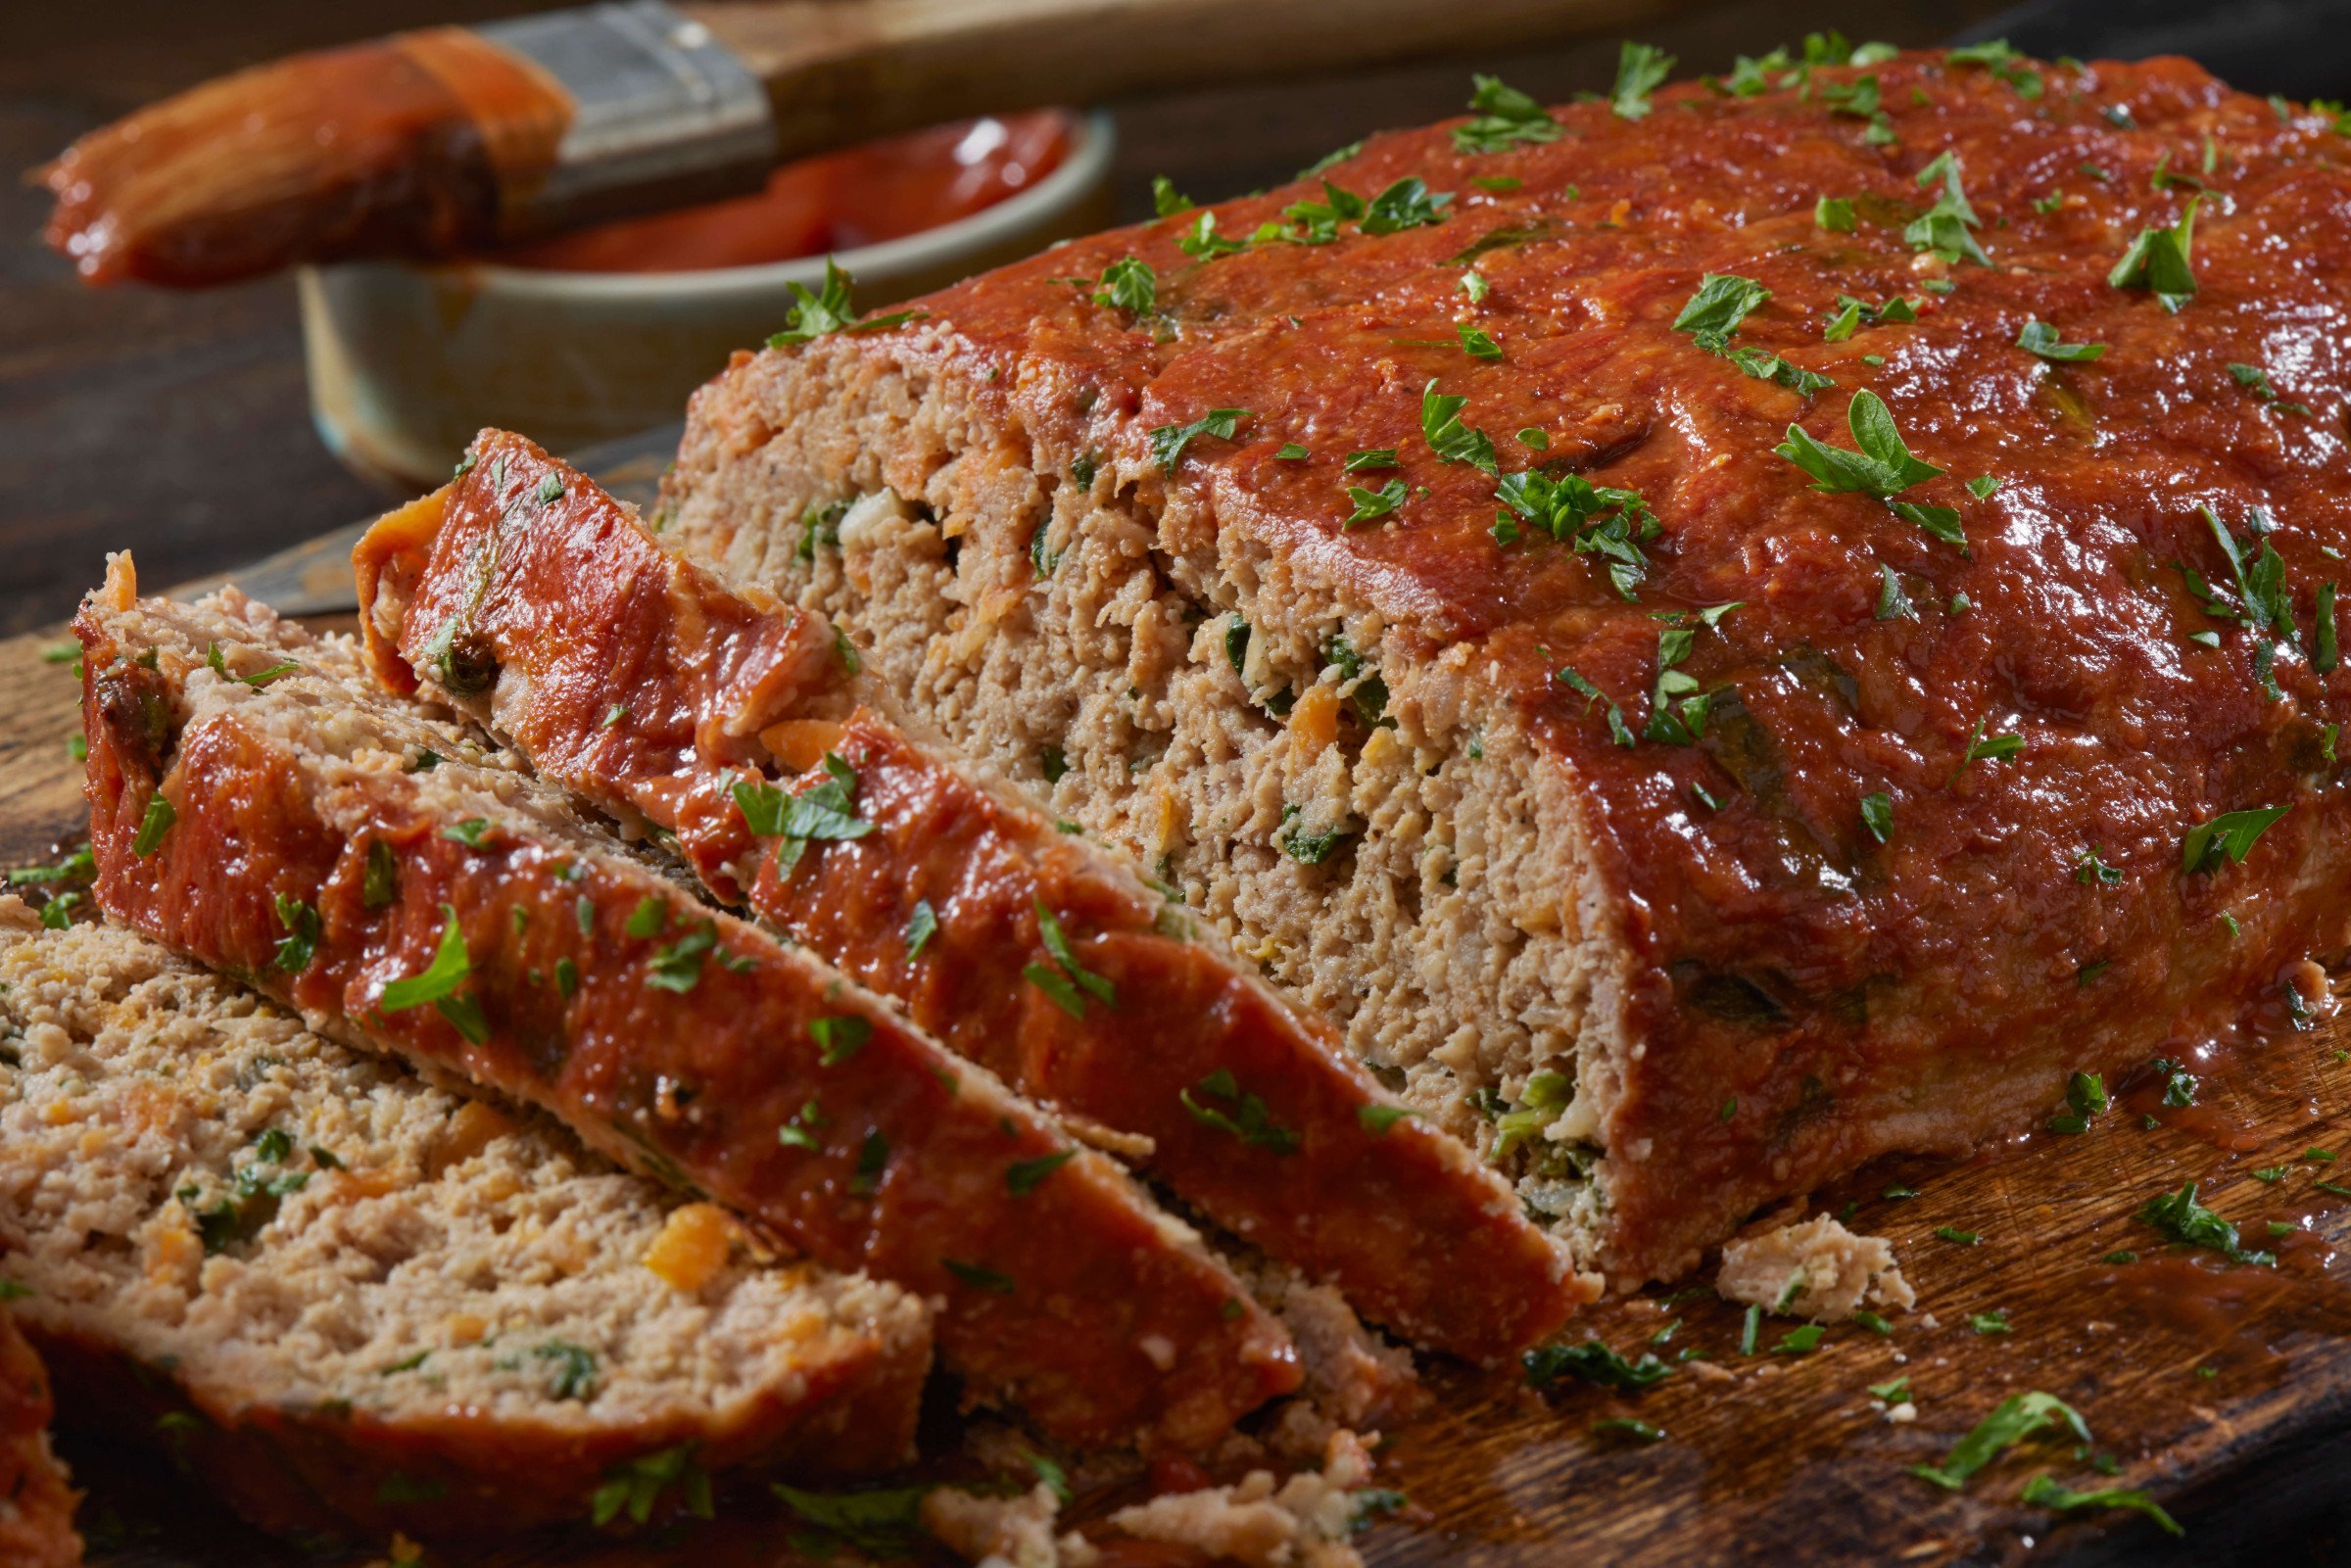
x: 2198, y: 1382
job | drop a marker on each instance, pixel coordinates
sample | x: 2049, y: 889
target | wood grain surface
x: 2201, y: 1384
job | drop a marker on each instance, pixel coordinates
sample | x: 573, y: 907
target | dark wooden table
x: 176, y: 424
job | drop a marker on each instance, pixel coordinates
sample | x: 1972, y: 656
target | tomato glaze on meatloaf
x: 1436, y: 568
x: 526, y: 598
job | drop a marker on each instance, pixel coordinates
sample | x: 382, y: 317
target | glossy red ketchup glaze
x: 884, y: 190
x: 1839, y: 996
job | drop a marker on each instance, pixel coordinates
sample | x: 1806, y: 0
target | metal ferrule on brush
x: 662, y: 115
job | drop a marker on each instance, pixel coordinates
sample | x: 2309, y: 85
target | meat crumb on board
x: 1816, y: 1269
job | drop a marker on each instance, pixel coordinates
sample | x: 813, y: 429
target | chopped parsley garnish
x: 972, y: 1274
x: 1883, y: 466
x: 1990, y: 1324
x: 574, y: 1368
x: 1801, y: 1341
x: 1896, y: 1391
x: 1407, y: 204
x: 1892, y: 604
x: 220, y: 667
x: 2041, y: 1491
x: 381, y: 883
x: 1292, y: 452
x: 1310, y: 850
x: 1070, y: 983
x: 1981, y: 748
x: 2014, y: 1419
x: 550, y: 489
x: 1473, y: 283
x: 156, y: 821
x: 1204, y: 244
x: 825, y: 810
x: 1375, y: 503
x: 1619, y: 731
x: 920, y: 927
x: 2085, y: 1093
x: 2228, y: 837
x: 300, y: 941
x: 1957, y: 1237
x: 873, y: 1159
x: 1592, y: 1362
x: 2090, y: 868
x: 1168, y: 442
x: 2254, y: 379
x: 1476, y: 343
x: 885, y: 1524
x: 839, y: 1039
x: 1451, y: 440
x: 1641, y: 69
x: 1166, y: 200
x: 1944, y: 228
x: 1358, y: 461
x: 800, y: 1131
x: 1129, y: 285
x: 437, y: 984
x: 470, y: 832
x: 1723, y: 301
x: 2040, y: 338
x: 633, y: 1487
x: 1378, y: 1119
x: 677, y: 967
x: 1248, y: 1117
x: 1505, y: 118
x: 1834, y: 213
x: 649, y: 918
x: 812, y: 316
x: 1591, y: 519
x: 2179, y: 1216
x: 1021, y: 1177
x: 2003, y: 62
x: 2158, y: 261
x: 1877, y: 815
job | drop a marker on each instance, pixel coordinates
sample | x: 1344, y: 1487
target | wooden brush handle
x: 839, y: 71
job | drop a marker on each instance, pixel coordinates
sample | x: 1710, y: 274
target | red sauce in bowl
x: 834, y: 202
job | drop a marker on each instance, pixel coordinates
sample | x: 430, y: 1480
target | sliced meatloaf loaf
x: 247, y: 784
x: 351, y: 1300
x: 36, y: 1500
x: 1717, y: 635
x: 533, y: 601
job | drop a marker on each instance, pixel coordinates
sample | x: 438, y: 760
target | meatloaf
x: 351, y: 1300
x: 36, y: 1500
x: 1718, y: 633
x: 528, y: 598
x: 247, y: 784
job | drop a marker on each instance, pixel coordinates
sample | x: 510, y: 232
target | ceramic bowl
x: 407, y: 362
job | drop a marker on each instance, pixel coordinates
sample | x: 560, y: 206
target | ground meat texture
x: 575, y: 975
x: 1816, y: 1269
x: 1664, y: 982
x: 651, y: 686
x: 282, y: 1262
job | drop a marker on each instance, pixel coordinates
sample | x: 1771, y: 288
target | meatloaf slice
x: 248, y: 784
x: 36, y: 1500
x: 1716, y: 641
x: 533, y: 601
x: 350, y: 1299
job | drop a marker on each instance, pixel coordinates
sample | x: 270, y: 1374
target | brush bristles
x: 405, y: 145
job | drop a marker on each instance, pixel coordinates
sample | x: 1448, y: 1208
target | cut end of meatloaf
x: 1462, y: 588
x: 327, y: 1256
x: 247, y: 783
x: 1381, y: 837
x: 36, y: 1500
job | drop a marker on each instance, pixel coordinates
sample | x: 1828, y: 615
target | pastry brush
x: 433, y: 142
